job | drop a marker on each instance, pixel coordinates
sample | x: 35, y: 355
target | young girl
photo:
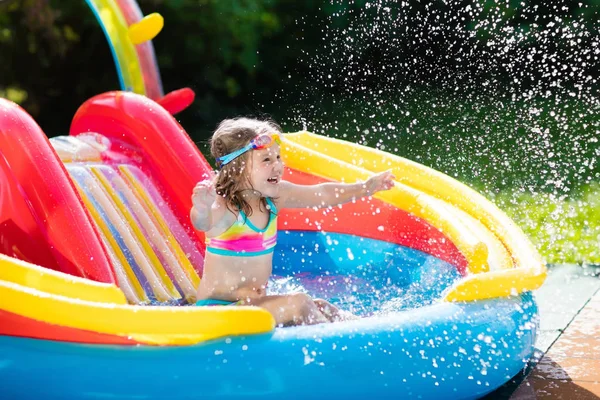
x: 238, y: 213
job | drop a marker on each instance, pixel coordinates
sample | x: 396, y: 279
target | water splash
x: 502, y: 95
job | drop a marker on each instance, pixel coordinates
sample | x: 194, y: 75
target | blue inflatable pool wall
x: 412, y: 345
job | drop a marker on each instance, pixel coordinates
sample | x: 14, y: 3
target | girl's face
x: 266, y: 170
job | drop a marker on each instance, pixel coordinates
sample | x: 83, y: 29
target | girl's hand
x: 204, y: 194
x: 381, y: 181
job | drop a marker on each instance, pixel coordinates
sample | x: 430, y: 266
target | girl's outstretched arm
x: 332, y: 193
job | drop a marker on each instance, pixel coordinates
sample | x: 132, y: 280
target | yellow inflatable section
x: 60, y: 299
x: 146, y: 29
x: 52, y: 282
x: 502, y: 261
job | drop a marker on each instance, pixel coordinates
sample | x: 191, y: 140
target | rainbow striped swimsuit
x: 243, y: 239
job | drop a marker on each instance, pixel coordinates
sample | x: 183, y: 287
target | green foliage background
x: 502, y: 95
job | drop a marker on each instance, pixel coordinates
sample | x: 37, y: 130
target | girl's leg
x: 332, y: 313
x: 291, y: 309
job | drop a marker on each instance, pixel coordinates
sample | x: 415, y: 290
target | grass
x: 565, y: 230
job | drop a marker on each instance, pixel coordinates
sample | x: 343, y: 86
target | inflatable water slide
x: 100, y: 264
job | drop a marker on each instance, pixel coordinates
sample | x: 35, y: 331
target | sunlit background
x: 502, y: 95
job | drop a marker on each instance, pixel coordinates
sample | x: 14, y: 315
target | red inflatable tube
x: 17, y: 325
x: 42, y: 219
x: 374, y: 219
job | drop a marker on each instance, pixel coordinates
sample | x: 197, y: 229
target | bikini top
x: 243, y: 239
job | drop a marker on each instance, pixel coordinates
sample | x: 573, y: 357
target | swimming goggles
x: 258, y: 143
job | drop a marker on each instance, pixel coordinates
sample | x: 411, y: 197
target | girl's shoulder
x: 272, y: 204
x: 219, y: 207
x: 224, y: 218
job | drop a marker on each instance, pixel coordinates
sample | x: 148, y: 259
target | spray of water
x: 502, y: 95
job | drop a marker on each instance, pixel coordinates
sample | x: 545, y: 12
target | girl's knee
x: 300, y: 299
x: 306, y: 310
x: 320, y: 302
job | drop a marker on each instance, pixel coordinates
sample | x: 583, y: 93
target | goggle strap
x: 226, y: 159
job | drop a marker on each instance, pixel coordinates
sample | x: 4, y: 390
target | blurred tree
x: 55, y: 56
x: 245, y: 57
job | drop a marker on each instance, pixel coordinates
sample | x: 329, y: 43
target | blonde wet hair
x: 234, y: 177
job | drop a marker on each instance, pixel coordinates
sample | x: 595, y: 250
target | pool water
x: 363, y: 276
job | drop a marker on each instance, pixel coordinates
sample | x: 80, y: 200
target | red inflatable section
x: 42, y: 220
x: 17, y: 325
x: 144, y: 133
x: 177, y: 100
x: 374, y: 219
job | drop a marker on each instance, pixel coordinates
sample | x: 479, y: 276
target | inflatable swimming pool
x: 99, y: 261
x: 446, y: 301
x: 443, y: 350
